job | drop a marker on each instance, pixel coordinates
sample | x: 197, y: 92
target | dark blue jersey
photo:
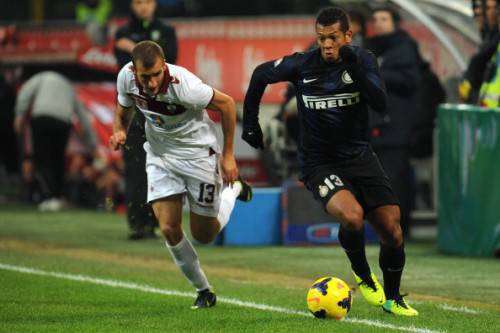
x: 332, y: 102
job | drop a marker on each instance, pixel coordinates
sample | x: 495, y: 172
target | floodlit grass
x: 453, y: 294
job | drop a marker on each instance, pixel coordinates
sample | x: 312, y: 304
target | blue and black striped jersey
x: 332, y: 102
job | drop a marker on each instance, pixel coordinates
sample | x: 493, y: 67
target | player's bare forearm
x: 119, y: 136
x: 122, y: 117
x: 226, y: 106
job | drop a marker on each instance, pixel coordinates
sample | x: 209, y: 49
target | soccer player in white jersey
x: 182, y: 154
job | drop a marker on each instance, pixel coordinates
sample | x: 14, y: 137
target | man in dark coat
x: 142, y: 26
x: 399, y: 61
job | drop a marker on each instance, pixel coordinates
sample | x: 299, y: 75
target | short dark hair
x: 332, y: 15
x: 396, y: 17
x: 147, y: 52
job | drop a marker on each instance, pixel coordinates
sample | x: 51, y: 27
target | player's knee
x: 394, y: 234
x: 204, y: 238
x: 169, y: 231
x: 352, y: 218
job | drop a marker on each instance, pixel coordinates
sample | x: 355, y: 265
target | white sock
x: 186, y: 258
x: 227, y: 200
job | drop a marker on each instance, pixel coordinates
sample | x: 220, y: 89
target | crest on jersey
x: 155, y: 35
x: 346, y: 78
x: 323, y: 191
x: 277, y: 62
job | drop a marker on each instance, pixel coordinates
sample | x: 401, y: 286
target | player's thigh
x: 344, y: 206
x: 334, y: 190
x: 204, y: 228
x: 168, y: 212
x: 385, y: 220
x: 204, y: 185
x: 165, y: 186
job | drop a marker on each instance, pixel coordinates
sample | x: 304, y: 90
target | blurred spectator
x: 430, y: 94
x: 81, y: 181
x: 358, y: 27
x: 398, y: 58
x: 30, y: 191
x: 489, y: 93
x: 95, y: 14
x: 53, y: 102
x: 8, y: 139
x: 110, y: 187
x: 143, y: 25
x: 486, y: 16
x: 171, y: 8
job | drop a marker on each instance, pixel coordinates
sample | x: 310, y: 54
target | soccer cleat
x: 399, y: 307
x: 371, y: 290
x: 206, y: 299
x: 246, y: 190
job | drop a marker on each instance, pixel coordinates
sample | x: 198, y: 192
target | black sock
x: 392, y: 262
x: 353, y: 243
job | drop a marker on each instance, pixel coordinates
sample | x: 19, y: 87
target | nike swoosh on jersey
x: 310, y: 80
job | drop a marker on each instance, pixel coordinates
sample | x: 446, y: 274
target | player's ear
x: 348, y: 36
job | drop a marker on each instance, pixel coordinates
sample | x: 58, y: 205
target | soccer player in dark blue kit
x: 334, y: 85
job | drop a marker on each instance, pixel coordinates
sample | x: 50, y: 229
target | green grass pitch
x: 74, y: 271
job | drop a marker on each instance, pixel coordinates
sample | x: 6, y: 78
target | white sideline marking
x: 232, y: 301
x: 448, y: 307
x: 463, y: 309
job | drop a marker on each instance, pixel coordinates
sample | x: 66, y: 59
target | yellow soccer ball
x: 329, y: 297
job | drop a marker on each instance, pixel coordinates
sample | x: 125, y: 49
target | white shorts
x: 199, y: 178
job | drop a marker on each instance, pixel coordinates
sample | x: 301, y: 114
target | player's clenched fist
x: 229, y: 169
x: 117, y: 139
x: 348, y: 54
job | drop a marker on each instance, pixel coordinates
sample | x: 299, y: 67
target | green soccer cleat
x: 399, y: 307
x: 372, y: 291
x: 246, y: 190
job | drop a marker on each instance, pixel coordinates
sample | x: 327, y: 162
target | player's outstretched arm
x: 226, y: 106
x: 266, y: 73
x: 120, y: 122
x: 252, y: 133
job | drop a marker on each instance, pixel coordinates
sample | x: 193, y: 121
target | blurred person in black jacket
x: 143, y: 25
x: 399, y: 61
x: 8, y: 139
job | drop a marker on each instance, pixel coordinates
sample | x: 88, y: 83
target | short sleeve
x: 194, y: 91
x: 121, y: 88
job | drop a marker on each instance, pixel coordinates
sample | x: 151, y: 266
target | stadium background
x: 222, y: 41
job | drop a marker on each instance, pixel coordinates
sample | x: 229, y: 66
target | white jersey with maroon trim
x: 177, y: 123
